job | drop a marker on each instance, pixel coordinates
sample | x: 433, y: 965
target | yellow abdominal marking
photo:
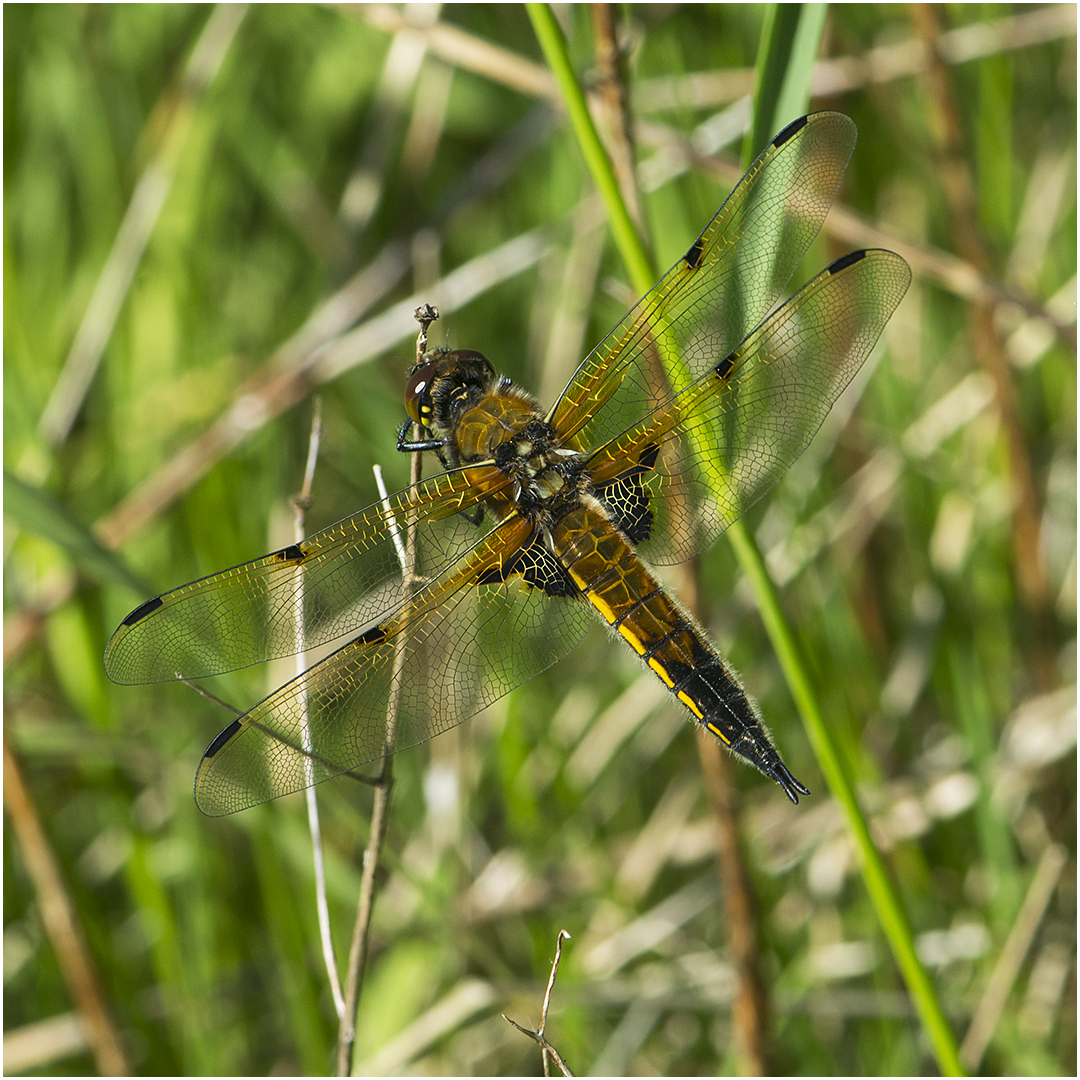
x: 662, y: 672
x: 633, y: 640
x: 579, y: 581
x: 692, y: 705
x: 717, y: 732
x: 601, y: 605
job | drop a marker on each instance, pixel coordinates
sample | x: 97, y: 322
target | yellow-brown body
x: 485, y: 418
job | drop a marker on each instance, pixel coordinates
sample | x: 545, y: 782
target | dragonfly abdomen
x: 630, y: 599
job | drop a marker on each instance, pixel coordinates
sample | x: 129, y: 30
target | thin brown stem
x: 549, y: 1052
x: 362, y: 928
x: 988, y: 348
x: 191, y: 684
x: 750, y: 1005
x: 563, y: 934
x: 612, y: 102
x: 544, y: 1045
x: 384, y: 783
x: 61, y: 922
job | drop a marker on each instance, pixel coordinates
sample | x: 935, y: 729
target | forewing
x: 461, y: 642
x: 332, y: 584
x: 719, y: 291
x: 722, y: 443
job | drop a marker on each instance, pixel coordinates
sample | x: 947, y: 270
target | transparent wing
x: 719, y: 291
x: 721, y: 444
x: 334, y: 583
x: 468, y: 637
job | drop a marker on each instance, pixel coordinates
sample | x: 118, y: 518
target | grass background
x: 325, y: 142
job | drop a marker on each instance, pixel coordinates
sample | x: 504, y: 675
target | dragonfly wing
x: 502, y: 614
x: 697, y: 463
x: 719, y: 291
x: 331, y: 584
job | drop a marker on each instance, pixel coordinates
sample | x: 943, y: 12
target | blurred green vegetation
x: 576, y: 802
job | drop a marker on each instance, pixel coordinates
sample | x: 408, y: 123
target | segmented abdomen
x: 629, y: 598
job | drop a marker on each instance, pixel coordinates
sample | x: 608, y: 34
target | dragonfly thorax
x: 484, y: 417
x: 546, y: 476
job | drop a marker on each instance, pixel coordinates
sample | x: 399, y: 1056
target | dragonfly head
x: 442, y: 381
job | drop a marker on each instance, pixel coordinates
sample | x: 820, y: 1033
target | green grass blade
x: 39, y: 512
x: 550, y: 35
x: 885, y: 897
x: 790, y: 43
x: 977, y: 723
x: 886, y: 900
x: 796, y: 34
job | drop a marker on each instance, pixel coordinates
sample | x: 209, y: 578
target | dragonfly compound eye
x: 418, y: 394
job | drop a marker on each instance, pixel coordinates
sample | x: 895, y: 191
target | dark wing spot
x: 222, y: 739
x: 626, y: 499
x: 293, y: 553
x: 142, y: 611
x: 791, y: 129
x: 845, y: 261
x: 724, y: 368
x: 534, y: 564
x: 374, y: 636
x: 647, y: 458
x: 693, y: 256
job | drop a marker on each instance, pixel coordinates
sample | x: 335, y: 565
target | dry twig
x: 384, y: 783
x: 142, y: 214
x: 1002, y: 978
x: 61, y: 922
x: 538, y: 1037
x: 958, y: 187
x: 191, y: 684
x: 750, y: 1005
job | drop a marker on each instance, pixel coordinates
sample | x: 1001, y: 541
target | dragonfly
x: 455, y: 590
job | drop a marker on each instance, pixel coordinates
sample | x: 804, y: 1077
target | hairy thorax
x: 546, y: 479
